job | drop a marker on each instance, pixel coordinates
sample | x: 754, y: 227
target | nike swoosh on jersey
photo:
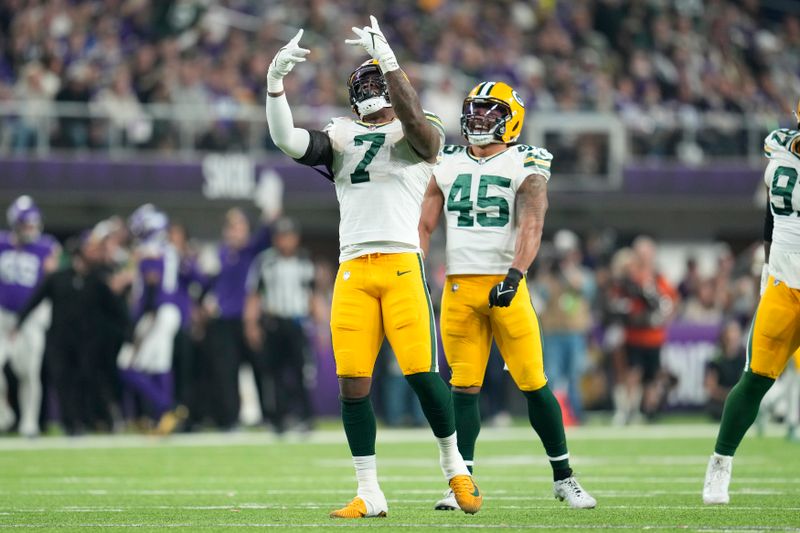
x: 404, y: 272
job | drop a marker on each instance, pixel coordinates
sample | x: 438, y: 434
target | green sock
x: 359, y: 425
x: 468, y: 424
x: 544, y: 412
x: 741, y: 409
x: 437, y: 404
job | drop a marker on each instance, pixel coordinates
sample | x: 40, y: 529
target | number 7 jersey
x: 782, y: 148
x: 479, y: 196
x: 380, y: 182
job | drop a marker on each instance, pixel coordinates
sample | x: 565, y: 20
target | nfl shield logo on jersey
x: 346, y: 275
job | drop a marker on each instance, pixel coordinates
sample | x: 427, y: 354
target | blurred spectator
x: 725, y: 369
x: 280, y: 290
x: 225, y: 345
x: 36, y: 89
x: 567, y: 290
x: 647, y: 303
x: 80, y: 301
x: 190, y: 284
x: 74, y: 126
x: 691, y: 281
x: 127, y: 120
x: 702, y: 307
x: 658, y: 64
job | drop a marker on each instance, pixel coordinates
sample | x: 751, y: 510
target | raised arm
x: 421, y: 134
x: 432, y: 205
x: 531, y: 206
x: 292, y: 141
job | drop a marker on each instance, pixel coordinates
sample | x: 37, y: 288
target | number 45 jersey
x: 782, y: 148
x: 479, y: 204
x: 380, y: 182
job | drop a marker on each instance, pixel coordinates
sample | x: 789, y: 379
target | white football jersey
x: 782, y: 148
x: 380, y: 182
x: 479, y: 206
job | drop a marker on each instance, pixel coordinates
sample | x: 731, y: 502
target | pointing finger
x: 296, y: 38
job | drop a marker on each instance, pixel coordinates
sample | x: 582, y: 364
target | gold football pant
x: 468, y: 326
x: 775, y: 332
x: 376, y: 295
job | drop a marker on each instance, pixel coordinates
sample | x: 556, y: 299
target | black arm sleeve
x: 769, y: 222
x: 319, y: 152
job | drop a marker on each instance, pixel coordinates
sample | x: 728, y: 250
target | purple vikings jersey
x: 188, y: 274
x: 230, y: 284
x: 22, y: 269
x: 158, y: 261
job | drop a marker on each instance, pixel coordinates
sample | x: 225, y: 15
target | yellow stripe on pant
x: 376, y: 295
x: 775, y: 332
x: 468, y: 326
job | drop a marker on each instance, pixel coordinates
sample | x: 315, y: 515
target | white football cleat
x: 570, y: 490
x: 718, y: 478
x: 448, y: 503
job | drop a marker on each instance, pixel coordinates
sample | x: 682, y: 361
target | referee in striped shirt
x: 280, y: 286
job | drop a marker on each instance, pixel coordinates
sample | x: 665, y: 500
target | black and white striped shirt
x: 284, y: 283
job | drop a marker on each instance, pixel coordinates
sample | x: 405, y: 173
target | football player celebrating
x: 494, y: 192
x: 380, y: 163
x: 775, y: 329
x: 26, y: 256
x: 145, y: 364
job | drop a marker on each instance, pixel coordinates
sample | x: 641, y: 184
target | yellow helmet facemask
x: 493, y: 113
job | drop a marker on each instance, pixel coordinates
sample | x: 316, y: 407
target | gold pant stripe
x: 431, y: 324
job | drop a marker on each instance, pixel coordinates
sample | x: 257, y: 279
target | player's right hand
x: 284, y: 61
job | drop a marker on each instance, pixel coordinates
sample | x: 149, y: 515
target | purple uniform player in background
x: 26, y: 256
x: 226, y: 347
x: 146, y: 362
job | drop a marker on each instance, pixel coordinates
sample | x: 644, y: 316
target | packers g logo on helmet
x: 493, y: 112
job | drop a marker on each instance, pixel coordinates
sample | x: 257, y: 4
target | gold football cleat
x: 355, y: 509
x: 467, y: 494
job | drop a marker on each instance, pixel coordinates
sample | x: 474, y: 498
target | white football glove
x: 764, y: 278
x: 283, y: 63
x: 372, y: 40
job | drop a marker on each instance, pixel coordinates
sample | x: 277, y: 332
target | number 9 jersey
x: 480, y: 199
x: 782, y: 148
x: 380, y: 182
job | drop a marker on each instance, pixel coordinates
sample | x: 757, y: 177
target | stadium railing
x: 592, y: 147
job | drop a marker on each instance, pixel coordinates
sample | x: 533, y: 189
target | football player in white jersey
x: 775, y: 330
x: 494, y: 193
x: 380, y: 162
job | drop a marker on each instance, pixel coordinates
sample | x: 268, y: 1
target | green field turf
x: 642, y: 477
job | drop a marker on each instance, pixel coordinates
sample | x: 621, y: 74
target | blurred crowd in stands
x: 657, y: 64
x: 149, y: 328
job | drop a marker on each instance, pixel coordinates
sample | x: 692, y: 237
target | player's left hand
x: 502, y: 293
x: 371, y: 38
